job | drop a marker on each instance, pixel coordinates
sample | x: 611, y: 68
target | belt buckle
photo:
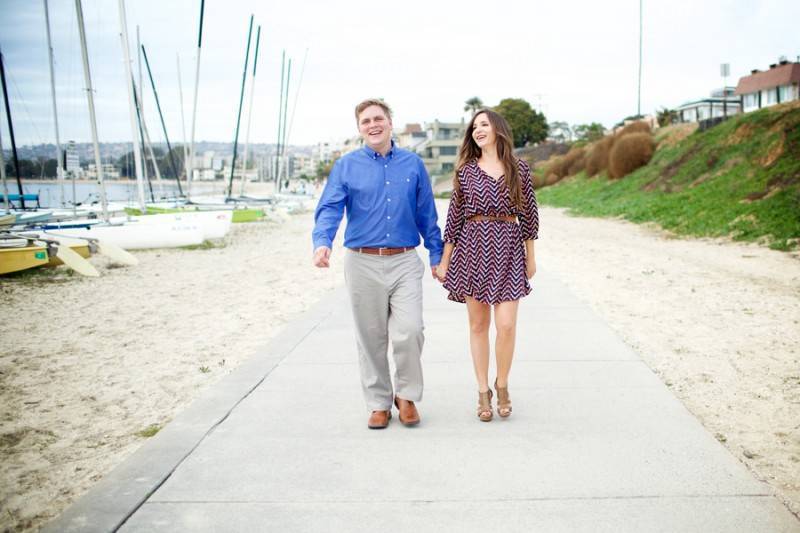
x: 380, y: 251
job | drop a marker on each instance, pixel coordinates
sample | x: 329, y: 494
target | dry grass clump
x: 560, y: 167
x: 597, y: 160
x: 630, y: 152
x: 634, y: 127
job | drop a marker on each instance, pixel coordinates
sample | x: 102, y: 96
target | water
x: 87, y: 192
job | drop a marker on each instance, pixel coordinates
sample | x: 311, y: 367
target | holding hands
x: 440, y: 271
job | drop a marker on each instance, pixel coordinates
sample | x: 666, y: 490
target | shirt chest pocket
x: 407, y: 187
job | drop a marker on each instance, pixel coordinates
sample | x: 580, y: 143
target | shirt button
x: 388, y: 218
x: 387, y: 183
x: 387, y: 234
x: 385, y: 166
x: 388, y: 199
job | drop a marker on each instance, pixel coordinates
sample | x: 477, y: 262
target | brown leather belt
x: 494, y: 218
x: 383, y: 251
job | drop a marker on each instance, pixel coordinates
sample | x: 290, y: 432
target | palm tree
x: 473, y: 104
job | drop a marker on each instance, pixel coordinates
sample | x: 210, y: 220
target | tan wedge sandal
x: 485, y: 405
x: 503, y: 401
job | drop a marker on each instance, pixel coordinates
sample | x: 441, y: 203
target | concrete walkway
x: 596, y: 443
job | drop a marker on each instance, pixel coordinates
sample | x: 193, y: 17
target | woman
x: 488, y: 256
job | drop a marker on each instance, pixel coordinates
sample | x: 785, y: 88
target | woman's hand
x: 530, y: 266
x: 441, y: 271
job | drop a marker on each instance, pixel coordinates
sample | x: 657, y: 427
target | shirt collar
x: 375, y: 155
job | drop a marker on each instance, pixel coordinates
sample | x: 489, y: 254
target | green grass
x: 205, y: 245
x: 740, y: 179
x: 247, y: 215
x: 149, y: 431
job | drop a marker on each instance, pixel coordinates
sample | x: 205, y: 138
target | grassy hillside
x: 739, y: 179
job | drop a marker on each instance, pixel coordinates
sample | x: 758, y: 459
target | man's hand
x: 322, y: 256
x: 435, y: 272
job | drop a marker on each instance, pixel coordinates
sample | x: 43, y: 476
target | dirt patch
x: 742, y: 133
x: 662, y: 182
x: 774, y: 152
x: 672, y: 135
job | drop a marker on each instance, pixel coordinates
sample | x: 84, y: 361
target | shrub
x: 555, y: 168
x: 630, y: 152
x: 639, y: 126
x: 575, y: 160
x: 597, y: 160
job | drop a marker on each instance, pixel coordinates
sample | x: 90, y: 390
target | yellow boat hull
x: 16, y: 259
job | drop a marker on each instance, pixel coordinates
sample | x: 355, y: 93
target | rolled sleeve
x: 330, y: 209
x: 426, y: 218
x: 455, y: 215
x: 529, y: 216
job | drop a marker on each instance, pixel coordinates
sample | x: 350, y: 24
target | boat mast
x: 280, y: 122
x: 3, y: 174
x: 137, y: 156
x: 163, y: 125
x: 11, y: 131
x: 241, y: 101
x: 297, y: 96
x: 140, y: 114
x: 183, y: 123
x: 144, y: 139
x: 190, y: 166
x: 250, y: 114
x: 92, y: 118
x: 59, y: 170
x: 285, y: 109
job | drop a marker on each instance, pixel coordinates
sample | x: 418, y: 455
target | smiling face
x: 375, y: 128
x: 482, y: 131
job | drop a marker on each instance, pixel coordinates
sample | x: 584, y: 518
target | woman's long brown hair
x: 505, y: 151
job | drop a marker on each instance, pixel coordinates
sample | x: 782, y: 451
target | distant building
x: 722, y: 102
x: 439, y: 151
x: 110, y: 172
x: 781, y: 83
x: 411, y: 137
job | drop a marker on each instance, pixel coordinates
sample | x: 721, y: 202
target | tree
x: 528, y: 125
x: 560, y: 132
x: 589, y: 132
x: 473, y: 104
x: 666, y: 117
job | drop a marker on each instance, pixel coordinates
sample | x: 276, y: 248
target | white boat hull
x: 136, y: 236
x: 213, y: 224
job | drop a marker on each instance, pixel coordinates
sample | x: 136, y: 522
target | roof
x: 729, y: 101
x: 412, y: 128
x: 777, y: 75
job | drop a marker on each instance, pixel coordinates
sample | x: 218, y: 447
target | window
x: 751, y: 100
x: 785, y: 93
x: 772, y: 96
x: 448, y: 150
x: 447, y: 167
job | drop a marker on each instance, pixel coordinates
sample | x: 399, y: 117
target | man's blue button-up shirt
x: 389, y: 203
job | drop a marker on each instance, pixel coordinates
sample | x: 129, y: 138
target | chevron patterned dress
x: 488, y: 261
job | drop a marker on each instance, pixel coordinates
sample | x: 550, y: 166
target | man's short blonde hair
x: 374, y: 101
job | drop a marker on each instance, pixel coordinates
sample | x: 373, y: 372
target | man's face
x: 375, y: 127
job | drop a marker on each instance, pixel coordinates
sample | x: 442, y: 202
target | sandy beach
x: 90, y: 367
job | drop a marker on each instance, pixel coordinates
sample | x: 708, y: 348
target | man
x: 389, y: 202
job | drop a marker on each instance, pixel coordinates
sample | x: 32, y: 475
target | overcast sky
x: 576, y: 60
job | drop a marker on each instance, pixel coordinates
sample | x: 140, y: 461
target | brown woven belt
x: 383, y: 251
x: 482, y: 218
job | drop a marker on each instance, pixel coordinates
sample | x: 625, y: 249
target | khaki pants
x: 386, y: 298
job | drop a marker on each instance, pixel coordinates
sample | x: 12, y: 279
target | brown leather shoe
x: 379, y: 419
x: 408, y: 412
